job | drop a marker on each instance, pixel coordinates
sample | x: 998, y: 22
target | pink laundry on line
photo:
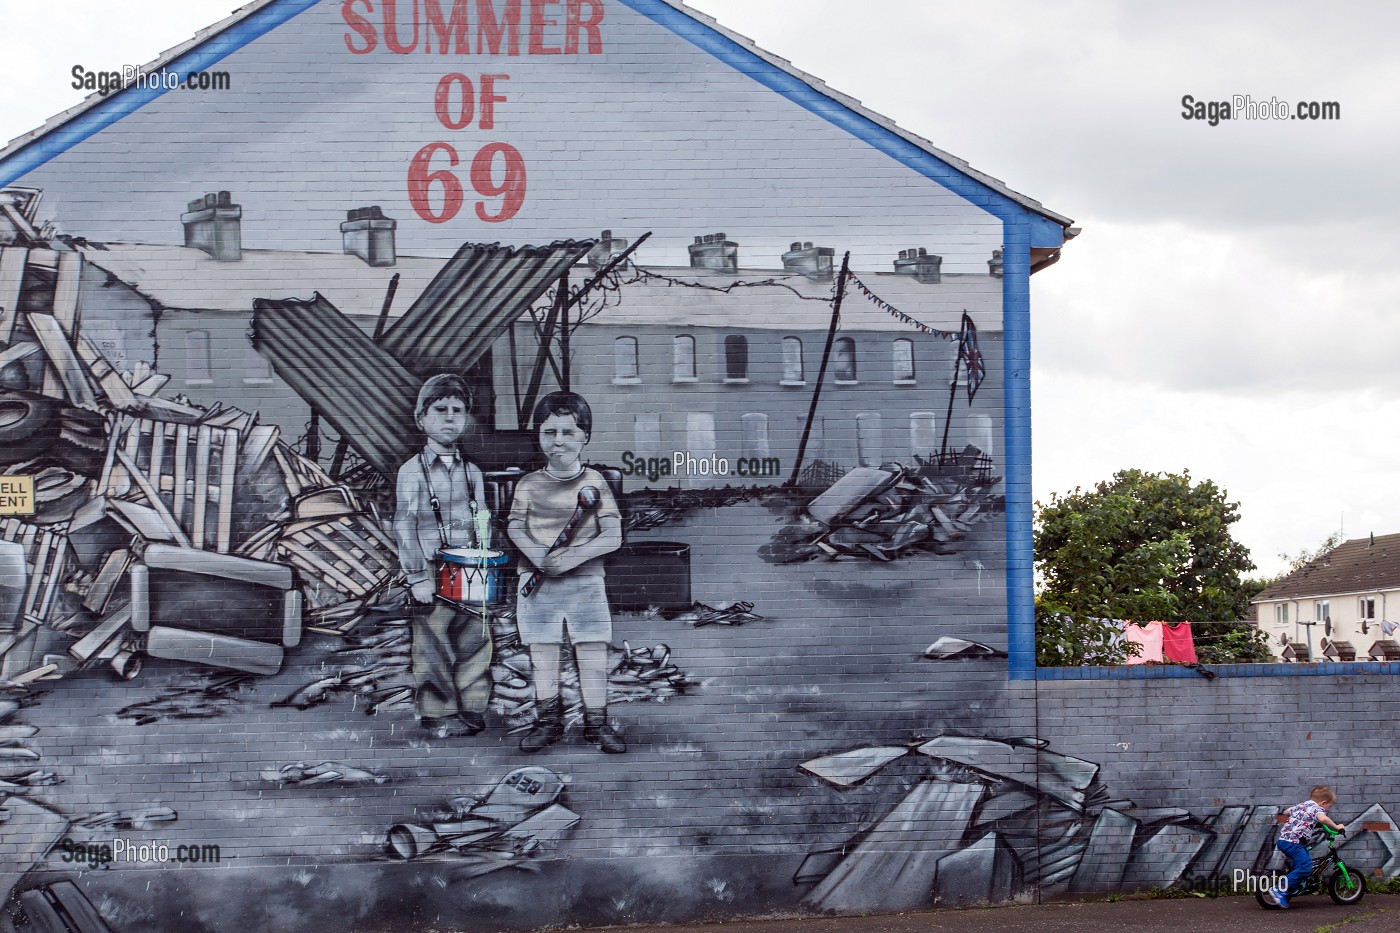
x: 1161, y: 642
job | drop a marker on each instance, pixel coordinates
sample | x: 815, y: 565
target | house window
x: 683, y: 358
x: 793, y: 372
x: 1281, y: 614
x: 1322, y: 611
x: 1367, y: 608
x: 625, y: 371
x: 197, y: 363
x: 843, y: 360
x: 736, y: 358
x: 869, y: 445
x: 755, y: 434
x: 903, y: 350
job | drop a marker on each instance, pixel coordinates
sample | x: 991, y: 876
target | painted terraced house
x: 802, y: 684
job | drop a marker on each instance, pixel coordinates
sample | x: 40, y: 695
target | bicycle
x: 1344, y: 885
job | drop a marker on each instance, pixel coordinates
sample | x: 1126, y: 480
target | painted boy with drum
x: 441, y: 508
x: 564, y: 520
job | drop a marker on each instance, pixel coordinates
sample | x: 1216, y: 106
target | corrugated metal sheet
x: 354, y: 383
x: 473, y: 300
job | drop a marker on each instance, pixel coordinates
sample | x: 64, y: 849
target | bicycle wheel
x: 1348, y: 890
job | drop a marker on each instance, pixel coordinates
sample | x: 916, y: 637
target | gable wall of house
x: 819, y: 684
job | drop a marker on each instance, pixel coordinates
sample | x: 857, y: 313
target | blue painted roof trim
x: 1177, y: 672
x: 128, y: 101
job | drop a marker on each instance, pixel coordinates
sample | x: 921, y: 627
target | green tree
x: 1141, y: 546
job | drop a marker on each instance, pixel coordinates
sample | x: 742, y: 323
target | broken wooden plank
x: 182, y: 462
x: 106, y: 630
x: 144, y: 521
x: 12, y: 262
x: 65, y: 293
x: 289, y: 475
x: 35, y: 674
x: 153, y: 497
x: 71, y: 373
x: 150, y: 385
x: 257, y: 446
x: 228, y: 462
x: 104, y: 374
x: 110, y: 574
x: 17, y: 352
x: 44, y: 258
x: 201, y: 483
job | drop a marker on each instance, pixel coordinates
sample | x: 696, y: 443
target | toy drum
x: 471, y: 577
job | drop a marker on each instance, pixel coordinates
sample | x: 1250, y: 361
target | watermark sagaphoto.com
x: 1245, y: 107
x: 105, y: 82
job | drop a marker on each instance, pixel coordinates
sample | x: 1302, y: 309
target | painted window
x: 923, y: 433
x: 736, y: 358
x: 683, y: 358
x: 843, y: 360
x: 646, y: 435
x: 903, y: 350
x: 869, y: 445
x: 256, y: 369
x: 755, y: 434
x: 793, y: 372
x: 625, y: 370
x: 982, y: 433
x: 700, y: 434
x: 197, y: 362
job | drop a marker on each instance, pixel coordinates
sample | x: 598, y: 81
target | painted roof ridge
x: 852, y: 103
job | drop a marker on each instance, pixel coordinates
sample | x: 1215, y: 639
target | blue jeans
x: 1300, y: 860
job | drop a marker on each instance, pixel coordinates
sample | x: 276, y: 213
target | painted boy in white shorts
x: 564, y: 519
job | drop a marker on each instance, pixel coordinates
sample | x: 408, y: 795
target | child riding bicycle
x: 1293, y: 838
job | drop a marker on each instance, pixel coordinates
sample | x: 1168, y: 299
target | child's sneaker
x: 1281, y: 897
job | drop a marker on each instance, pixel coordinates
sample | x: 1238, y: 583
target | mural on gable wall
x: 236, y: 633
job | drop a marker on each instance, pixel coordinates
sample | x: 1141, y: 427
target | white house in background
x: 1338, y: 607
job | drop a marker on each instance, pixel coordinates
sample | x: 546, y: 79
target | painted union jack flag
x: 971, y: 355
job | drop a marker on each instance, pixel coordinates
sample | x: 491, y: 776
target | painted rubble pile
x: 990, y: 819
x: 148, y: 510
x: 891, y: 511
x: 375, y: 674
x: 518, y: 820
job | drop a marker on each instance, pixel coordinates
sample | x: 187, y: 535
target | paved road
x: 1376, y: 914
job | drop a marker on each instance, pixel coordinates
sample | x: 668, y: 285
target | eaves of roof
x: 1361, y: 565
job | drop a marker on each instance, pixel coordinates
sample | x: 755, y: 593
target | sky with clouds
x: 1231, y: 305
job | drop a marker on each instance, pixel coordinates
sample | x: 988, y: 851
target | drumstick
x: 588, y: 500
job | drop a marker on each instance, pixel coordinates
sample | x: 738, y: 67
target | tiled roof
x: 1357, y: 566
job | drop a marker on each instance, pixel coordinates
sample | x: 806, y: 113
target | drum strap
x: 437, y: 505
